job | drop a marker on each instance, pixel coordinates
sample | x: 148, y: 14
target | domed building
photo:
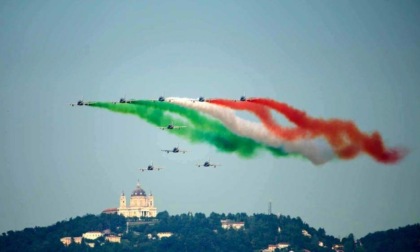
x: 141, y: 204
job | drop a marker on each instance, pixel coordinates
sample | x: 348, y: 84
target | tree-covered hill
x: 48, y: 238
x: 198, y: 232
x: 405, y: 239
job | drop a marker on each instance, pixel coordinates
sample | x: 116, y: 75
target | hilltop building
x: 113, y: 238
x: 92, y: 235
x: 141, y: 204
x: 78, y: 240
x: 227, y: 224
x: 89, y: 236
x: 305, y: 233
x: 280, y: 245
x: 161, y: 235
x: 66, y: 241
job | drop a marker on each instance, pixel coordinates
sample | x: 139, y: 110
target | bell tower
x: 123, y: 202
x: 151, y: 200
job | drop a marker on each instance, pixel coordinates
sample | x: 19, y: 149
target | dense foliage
x: 402, y: 239
x: 48, y: 238
x: 196, y: 232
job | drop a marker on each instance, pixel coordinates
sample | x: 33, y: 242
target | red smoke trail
x: 264, y: 115
x: 344, y: 136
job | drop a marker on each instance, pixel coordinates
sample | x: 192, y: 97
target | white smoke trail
x: 316, y: 150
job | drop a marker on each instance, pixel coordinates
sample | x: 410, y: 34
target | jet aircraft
x: 242, y: 99
x: 79, y: 103
x: 150, y: 167
x: 175, y: 150
x: 171, y: 126
x: 200, y: 99
x: 123, y: 100
x: 208, y: 164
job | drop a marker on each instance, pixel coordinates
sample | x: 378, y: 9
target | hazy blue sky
x: 357, y: 60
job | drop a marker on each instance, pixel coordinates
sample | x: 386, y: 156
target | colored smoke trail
x: 201, y: 122
x: 199, y: 127
x: 216, y: 123
x: 288, y: 134
x: 344, y: 136
x: 315, y: 150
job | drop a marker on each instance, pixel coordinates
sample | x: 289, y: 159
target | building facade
x: 78, y: 240
x: 113, y: 238
x: 141, y: 205
x: 226, y: 224
x: 272, y: 248
x: 92, y: 235
x: 66, y: 241
x: 161, y: 235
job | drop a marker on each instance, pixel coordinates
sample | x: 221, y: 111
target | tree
x: 162, y: 215
x: 349, y: 243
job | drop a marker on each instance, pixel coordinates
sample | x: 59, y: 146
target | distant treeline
x: 405, y: 239
x: 197, y: 232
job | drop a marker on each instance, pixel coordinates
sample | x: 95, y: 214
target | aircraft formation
x: 214, y: 121
x: 160, y: 99
x: 170, y: 126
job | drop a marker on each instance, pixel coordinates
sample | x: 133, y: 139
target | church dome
x: 138, y: 191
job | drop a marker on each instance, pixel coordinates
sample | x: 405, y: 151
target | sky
x: 354, y: 60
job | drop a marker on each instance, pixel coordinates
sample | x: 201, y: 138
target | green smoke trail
x: 200, y: 128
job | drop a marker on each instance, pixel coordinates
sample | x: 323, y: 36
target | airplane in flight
x: 200, y: 99
x: 242, y: 99
x: 150, y: 167
x: 208, y: 164
x: 175, y: 150
x: 171, y: 126
x: 79, y: 103
x: 123, y: 100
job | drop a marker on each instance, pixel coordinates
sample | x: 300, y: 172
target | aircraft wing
x: 167, y: 151
x: 142, y: 170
